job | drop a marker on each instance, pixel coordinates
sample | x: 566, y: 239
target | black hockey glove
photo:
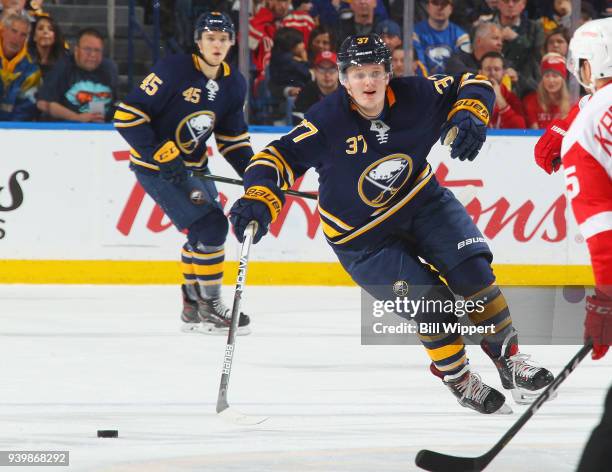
x: 170, y: 162
x: 258, y: 204
x: 470, y: 131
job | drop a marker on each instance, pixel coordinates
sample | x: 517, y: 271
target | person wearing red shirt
x: 551, y: 100
x: 508, y: 110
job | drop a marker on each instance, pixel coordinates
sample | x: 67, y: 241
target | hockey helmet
x: 214, y: 21
x: 363, y: 49
x: 593, y: 42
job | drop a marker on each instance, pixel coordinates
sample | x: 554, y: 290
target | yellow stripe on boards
x: 260, y: 273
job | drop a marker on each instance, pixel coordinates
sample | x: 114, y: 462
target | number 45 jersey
x: 372, y: 173
x: 177, y: 102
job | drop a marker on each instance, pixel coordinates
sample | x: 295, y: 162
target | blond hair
x: 546, y: 100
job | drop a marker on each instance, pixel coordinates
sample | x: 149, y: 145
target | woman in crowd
x: 551, y: 100
x: 46, y: 44
x: 557, y: 41
x: 321, y: 39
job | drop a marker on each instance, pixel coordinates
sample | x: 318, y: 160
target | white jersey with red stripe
x: 587, y: 161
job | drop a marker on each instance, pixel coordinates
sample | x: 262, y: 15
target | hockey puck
x: 108, y: 433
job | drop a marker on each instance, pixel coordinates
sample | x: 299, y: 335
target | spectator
x: 325, y: 82
x: 560, y: 15
x: 11, y: 6
x: 321, y: 39
x: 508, y: 110
x: 362, y: 21
x: 523, y: 41
x: 437, y: 38
x: 82, y: 87
x: 46, y: 44
x: 399, y: 66
x: 390, y: 32
x: 289, y: 70
x: 330, y: 12
x: 587, y: 13
x: 551, y: 100
x: 300, y: 18
x: 467, y: 12
x: 557, y: 41
x: 262, y: 29
x: 34, y: 9
x: 20, y: 75
x: 487, y: 38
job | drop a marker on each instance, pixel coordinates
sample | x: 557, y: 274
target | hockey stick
x: 227, y: 180
x: 437, y: 462
x: 223, y: 408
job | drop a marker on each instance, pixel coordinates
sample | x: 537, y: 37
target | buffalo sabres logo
x: 194, y: 129
x: 382, y: 179
x: 381, y: 129
x: 438, y: 55
x: 213, y: 88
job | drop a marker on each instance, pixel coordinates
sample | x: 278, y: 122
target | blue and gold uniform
x: 177, y: 102
x: 169, y: 117
x: 380, y: 204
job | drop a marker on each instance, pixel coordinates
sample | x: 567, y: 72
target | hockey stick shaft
x: 437, y: 462
x: 227, y: 180
x: 222, y: 403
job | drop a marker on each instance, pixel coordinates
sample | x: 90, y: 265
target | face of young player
x: 214, y: 46
x: 366, y: 85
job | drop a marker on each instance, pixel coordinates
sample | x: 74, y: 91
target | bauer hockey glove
x: 547, y: 150
x: 465, y: 132
x: 598, y: 323
x: 258, y: 204
x: 170, y: 162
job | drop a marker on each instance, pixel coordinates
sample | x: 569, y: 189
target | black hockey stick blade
x: 437, y: 462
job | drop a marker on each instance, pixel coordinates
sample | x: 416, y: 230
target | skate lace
x: 520, y: 366
x: 473, y: 388
x: 221, y: 308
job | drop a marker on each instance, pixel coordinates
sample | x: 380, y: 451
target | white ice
x: 75, y: 359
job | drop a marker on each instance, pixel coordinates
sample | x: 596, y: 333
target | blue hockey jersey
x: 372, y: 173
x: 177, y: 101
x: 434, y: 47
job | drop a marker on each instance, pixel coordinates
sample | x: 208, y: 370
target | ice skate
x: 472, y: 393
x: 189, y: 316
x: 525, y: 380
x: 216, y: 318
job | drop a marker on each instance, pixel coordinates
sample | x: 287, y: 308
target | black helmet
x: 213, y: 21
x: 363, y: 49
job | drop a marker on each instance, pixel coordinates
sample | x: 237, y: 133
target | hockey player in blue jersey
x: 382, y: 209
x: 167, y: 120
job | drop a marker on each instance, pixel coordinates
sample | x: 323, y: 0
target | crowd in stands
x: 43, y: 79
x: 520, y: 45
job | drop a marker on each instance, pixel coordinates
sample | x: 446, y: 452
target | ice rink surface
x: 75, y: 359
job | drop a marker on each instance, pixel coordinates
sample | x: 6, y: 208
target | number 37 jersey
x: 177, y: 102
x: 372, y: 173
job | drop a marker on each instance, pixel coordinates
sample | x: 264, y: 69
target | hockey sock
x: 204, y: 265
x: 187, y: 269
x: 492, y: 311
x: 446, y: 351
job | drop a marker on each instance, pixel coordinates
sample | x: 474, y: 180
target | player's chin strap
x: 219, y: 67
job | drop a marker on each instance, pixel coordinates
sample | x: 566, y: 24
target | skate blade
x: 234, y: 416
x: 505, y: 409
x: 527, y: 397
x: 190, y: 327
x: 212, y: 330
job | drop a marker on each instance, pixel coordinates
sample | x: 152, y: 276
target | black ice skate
x: 189, y: 315
x: 525, y: 380
x: 216, y: 318
x: 472, y: 393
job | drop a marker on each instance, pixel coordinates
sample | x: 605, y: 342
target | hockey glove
x: 598, y: 324
x: 170, y: 162
x: 258, y: 204
x: 471, y: 135
x: 547, y: 151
